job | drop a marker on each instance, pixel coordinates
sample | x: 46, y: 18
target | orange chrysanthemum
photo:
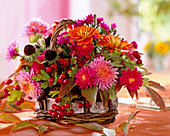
x: 114, y: 43
x: 84, y: 34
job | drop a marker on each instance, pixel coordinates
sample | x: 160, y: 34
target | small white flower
x: 96, y: 134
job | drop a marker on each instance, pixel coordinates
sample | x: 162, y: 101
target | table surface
x: 147, y: 123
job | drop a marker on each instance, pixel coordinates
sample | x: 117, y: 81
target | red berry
x: 21, y: 100
x: 135, y: 53
x: 54, y: 114
x: 67, y: 105
x: 75, y: 53
x: 50, y: 112
x: 54, y: 66
x: 6, y: 91
x: 139, y: 61
x: 51, y: 80
x: 18, y: 103
x: 57, y: 100
x: 29, y: 97
x: 138, y: 56
x: 60, y: 80
x: 57, y: 108
x: 68, y: 70
x: 80, y: 64
x: 66, y: 81
x: 62, y: 113
x: 87, y: 105
x: 66, y: 63
x: 80, y: 104
x: 53, y: 106
x: 63, y: 75
x: 60, y: 61
x: 6, y: 94
x: 17, y: 87
x: 71, y: 112
x: 8, y: 82
x: 60, y: 116
x: 65, y: 112
x: 48, y: 69
x: 62, y: 107
x: 87, y: 57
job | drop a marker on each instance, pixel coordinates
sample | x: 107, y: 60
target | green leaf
x: 109, y: 132
x: 46, y: 76
x: 156, y: 98
x: 116, y: 64
x: 112, y: 93
x: 124, y: 128
x: 73, y: 72
x: 39, y: 78
x: 53, y: 93
x: 9, y: 118
x: 65, y: 89
x: 90, y: 94
x: 56, y: 78
x: 132, y: 115
x: 53, y: 124
x: 15, y: 95
x: 44, y: 85
x: 91, y: 126
x: 23, y: 124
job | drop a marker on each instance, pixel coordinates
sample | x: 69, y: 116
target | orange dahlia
x: 84, y: 34
x: 112, y: 43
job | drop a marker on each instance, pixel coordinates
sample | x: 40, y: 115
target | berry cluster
x: 58, y: 111
x: 17, y: 87
x: 137, y: 56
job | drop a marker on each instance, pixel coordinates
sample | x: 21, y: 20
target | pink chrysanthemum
x: 36, y: 25
x: 13, y: 51
x: 29, y: 85
x: 105, y: 73
x: 131, y: 79
x: 85, y: 78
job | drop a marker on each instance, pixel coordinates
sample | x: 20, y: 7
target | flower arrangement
x: 83, y: 60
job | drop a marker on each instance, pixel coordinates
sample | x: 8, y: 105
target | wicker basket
x: 96, y: 113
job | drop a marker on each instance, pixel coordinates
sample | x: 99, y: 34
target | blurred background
x: 145, y: 21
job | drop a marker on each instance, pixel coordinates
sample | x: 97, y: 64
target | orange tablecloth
x: 147, y: 123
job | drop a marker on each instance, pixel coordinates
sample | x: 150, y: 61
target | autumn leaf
x: 157, y: 85
x: 2, y: 106
x: 91, y: 126
x: 104, y: 94
x: 156, y: 98
x: 23, y: 124
x: 90, y: 94
x: 28, y: 105
x: 9, y: 108
x: 53, y: 124
x: 2, y: 85
x: 65, y: 89
x: 9, y: 118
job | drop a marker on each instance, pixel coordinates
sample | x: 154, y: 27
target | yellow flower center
x: 131, y: 80
x: 83, y: 77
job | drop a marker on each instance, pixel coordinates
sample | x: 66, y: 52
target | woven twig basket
x: 96, y: 113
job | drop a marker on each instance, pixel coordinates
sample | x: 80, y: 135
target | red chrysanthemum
x: 85, y: 77
x: 131, y: 79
